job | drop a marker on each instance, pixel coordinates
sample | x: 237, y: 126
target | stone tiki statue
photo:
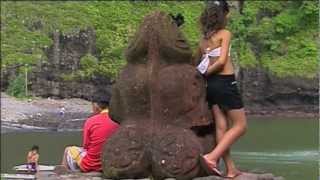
x: 159, y: 99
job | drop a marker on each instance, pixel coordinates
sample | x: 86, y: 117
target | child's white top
x: 204, y: 64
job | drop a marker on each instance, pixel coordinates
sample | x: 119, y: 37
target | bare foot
x: 210, y: 166
x: 233, y: 173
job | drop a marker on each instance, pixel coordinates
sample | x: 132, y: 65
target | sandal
x: 211, y: 171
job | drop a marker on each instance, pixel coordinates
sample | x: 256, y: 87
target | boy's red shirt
x: 97, y: 129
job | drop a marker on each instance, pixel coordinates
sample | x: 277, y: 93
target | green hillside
x: 280, y: 36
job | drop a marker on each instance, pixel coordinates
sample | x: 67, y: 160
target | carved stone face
x: 158, y: 32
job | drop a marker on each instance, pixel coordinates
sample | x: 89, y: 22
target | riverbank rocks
x: 159, y: 99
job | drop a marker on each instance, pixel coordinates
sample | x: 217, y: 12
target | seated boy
x: 96, y: 131
x: 33, y: 158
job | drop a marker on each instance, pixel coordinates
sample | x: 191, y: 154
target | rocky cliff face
x: 64, y: 58
x: 263, y: 90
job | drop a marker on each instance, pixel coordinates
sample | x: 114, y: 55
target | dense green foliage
x: 17, y: 87
x: 280, y: 36
x: 26, y: 28
x: 115, y: 22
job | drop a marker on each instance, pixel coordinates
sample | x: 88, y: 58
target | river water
x: 283, y: 146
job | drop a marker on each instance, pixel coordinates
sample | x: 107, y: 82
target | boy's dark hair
x: 35, y: 147
x: 213, y: 17
x: 101, y: 98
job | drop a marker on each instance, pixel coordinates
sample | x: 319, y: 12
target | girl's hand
x: 207, y: 73
x: 207, y: 50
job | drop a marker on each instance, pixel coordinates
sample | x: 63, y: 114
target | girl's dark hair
x: 213, y: 17
x: 35, y: 147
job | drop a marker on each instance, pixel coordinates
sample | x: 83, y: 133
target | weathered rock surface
x: 158, y: 97
x: 62, y: 173
x: 99, y: 176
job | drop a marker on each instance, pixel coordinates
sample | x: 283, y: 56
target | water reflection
x: 289, y: 157
x: 284, y: 147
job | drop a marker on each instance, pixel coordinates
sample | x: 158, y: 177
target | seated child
x: 33, y: 158
x: 96, y: 131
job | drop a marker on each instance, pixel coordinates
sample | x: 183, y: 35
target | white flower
x: 216, y: 3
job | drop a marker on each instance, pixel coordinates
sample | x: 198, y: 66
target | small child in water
x: 33, y: 158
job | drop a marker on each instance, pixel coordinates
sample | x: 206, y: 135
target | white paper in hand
x: 204, y: 64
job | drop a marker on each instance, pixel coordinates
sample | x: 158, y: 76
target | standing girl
x: 222, y: 92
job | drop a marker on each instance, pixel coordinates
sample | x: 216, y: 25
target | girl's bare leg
x: 221, y: 128
x: 237, y: 130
